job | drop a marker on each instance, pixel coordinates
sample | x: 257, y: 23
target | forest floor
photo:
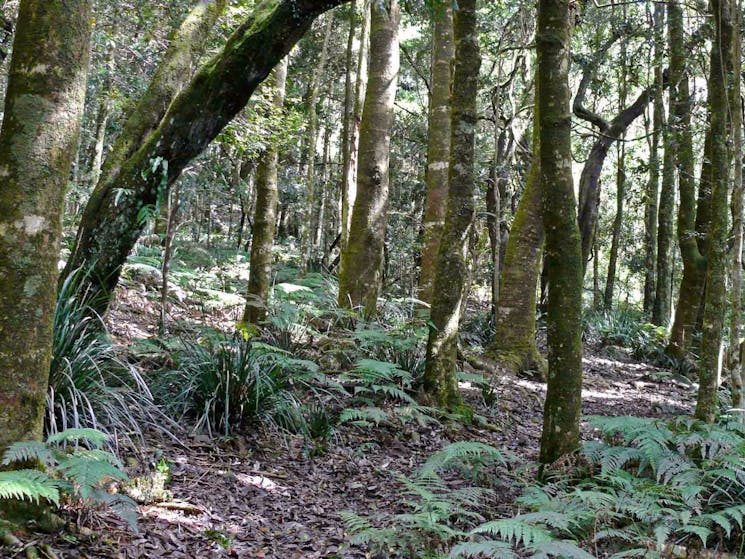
x: 262, y: 495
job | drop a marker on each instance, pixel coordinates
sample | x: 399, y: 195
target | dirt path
x: 262, y: 497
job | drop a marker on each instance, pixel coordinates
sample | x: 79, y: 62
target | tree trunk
x: 617, y: 229
x: 563, y: 242
x: 716, y: 270
x: 653, y: 185
x: 691, y: 223
x: 111, y: 223
x: 665, y: 231
x: 620, y: 193
x: 440, y: 382
x: 514, y: 343
x: 349, y: 185
x: 38, y: 142
x: 361, y: 272
x: 314, y: 197
x: 438, y: 147
x: 172, y: 204
x: 265, y: 217
x: 735, y: 326
x: 186, y: 46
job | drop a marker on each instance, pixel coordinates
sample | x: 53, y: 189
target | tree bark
x: 651, y: 197
x: 38, y: 142
x: 265, y: 217
x: 361, y: 272
x: 438, y: 147
x: 112, y: 221
x: 514, y: 343
x: 440, y: 381
x: 564, y: 260
x: 735, y: 326
x: 716, y: 270
x: 349, y: 186
x: 313, y: 196
x: 692, y: 224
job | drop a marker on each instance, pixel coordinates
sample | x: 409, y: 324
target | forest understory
x: 268, y: 494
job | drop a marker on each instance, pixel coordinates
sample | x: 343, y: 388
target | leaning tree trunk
x: 38, y: 140
x: 651, y: 195
x: 563, y: 243
x: 361, y: 272
x: 112, y: 221
x: 438, y: 147
x: 265, y: 216
x: 514, y: 343
x: 716, y: 270
x: 440, y: 381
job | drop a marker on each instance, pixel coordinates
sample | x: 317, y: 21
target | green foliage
x: 90, y: 386
x: 381, y: 394
x: 436, y: 515
x: 78, y: 472
x: 230, y: 383
x: 651, y: 483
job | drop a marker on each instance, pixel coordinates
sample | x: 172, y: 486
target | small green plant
x: 436, y: 515
x: 381, y: 394
x: 226, y: 384
x: 90, y: 386
x: 72, y: 464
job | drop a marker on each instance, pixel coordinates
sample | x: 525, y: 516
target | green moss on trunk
x: 265, y: 216
x: 38, y: 141
x: 440, y: 382
x: 563, y: 243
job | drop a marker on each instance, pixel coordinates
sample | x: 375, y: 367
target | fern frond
x: 93, y: 437
x: 31, y: 485
x: 462, y: 453
x: 487, y: 549
x: 87, y: 474
x: 25, y: 451
x: 562, y: 549
x: 515, y: 530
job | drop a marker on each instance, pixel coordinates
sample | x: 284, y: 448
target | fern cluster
x: 381, y: 394
x: 73, y: 464
x: 436, y: 514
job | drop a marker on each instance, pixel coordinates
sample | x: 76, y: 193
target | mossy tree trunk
x: 38, y: 141
x: 716, y: 270
x: 735, y: 326
x: 692, y: 215
x: 361, y: 272
x: 438, y: 147
x: 440, y: 382
x: 563, y: 242
x: 113, y: 221
x: 651, y: 195
x: 265, y: 216
x: 514, y: 343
